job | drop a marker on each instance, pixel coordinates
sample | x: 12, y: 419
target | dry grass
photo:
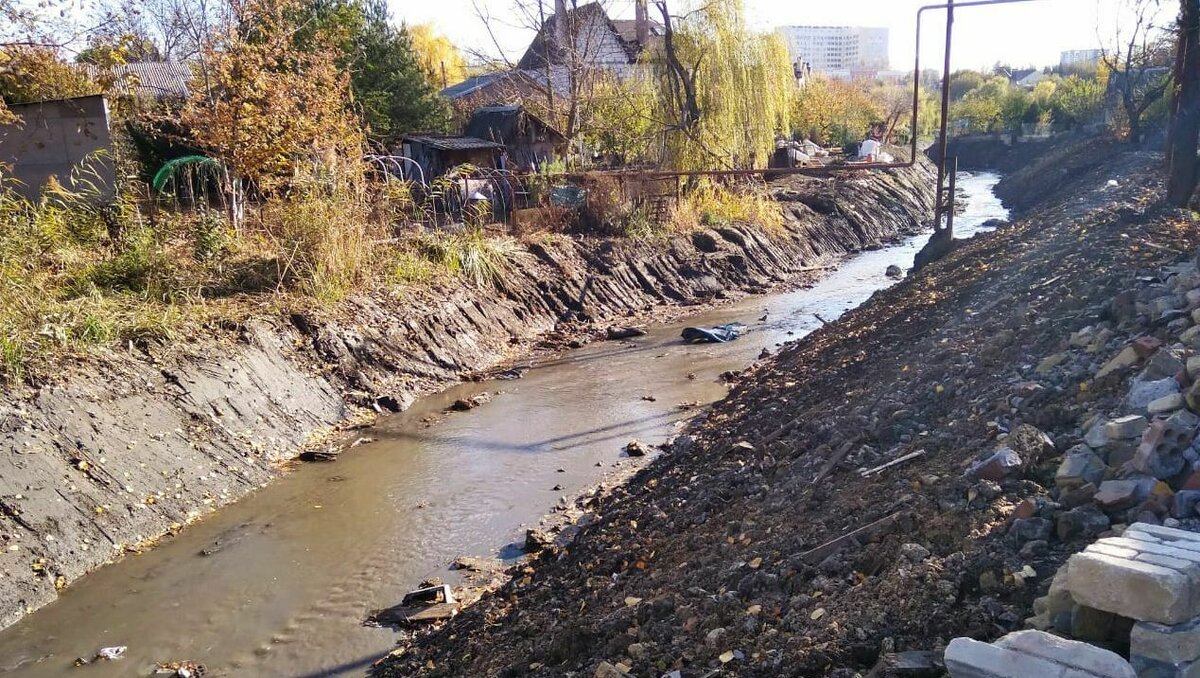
x: 715, y: 205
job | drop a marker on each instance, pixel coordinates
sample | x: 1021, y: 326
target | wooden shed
x: 528, y: 140
x: 437, y: 153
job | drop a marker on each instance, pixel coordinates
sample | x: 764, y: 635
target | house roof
x: 508, y: 124
x: 542, y: 48
x: 157, y: 79
x: 534, y: 78
x: 452, y: 143
x: 473, y: 84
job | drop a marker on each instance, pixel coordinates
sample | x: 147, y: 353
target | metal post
x: 940, y: 201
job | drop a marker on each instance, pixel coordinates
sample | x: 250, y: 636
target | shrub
x: 472, y: 254
x: 715, y: 205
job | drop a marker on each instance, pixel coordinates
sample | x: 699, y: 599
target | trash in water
x: 712, y: 335
x: 115, y: 652
x: 429, y: 596
x: 423, y: 606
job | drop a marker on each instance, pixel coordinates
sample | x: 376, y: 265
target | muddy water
x: 277, y: 584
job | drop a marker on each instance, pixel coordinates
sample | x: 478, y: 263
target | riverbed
x: 279, y: 583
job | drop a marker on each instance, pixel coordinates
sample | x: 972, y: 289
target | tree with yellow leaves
x: 263, y: 106
x: 442, y: 62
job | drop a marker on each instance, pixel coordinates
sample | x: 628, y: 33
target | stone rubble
x: 1136, y: 586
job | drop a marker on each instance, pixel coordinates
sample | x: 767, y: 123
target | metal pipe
x: 939, y: 201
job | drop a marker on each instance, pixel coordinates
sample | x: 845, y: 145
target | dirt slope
x: 707, y: 562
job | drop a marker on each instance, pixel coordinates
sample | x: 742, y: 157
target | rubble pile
x: 917, y: 472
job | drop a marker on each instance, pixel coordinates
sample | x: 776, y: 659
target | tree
x: 962, y: 82
x: 121, y: 36
x: 442, y: 61
x: 1182, y: 165
x: 1078, y: 100
x: 620, y: 123
x: 266, y: 105
x: 725, y: 91
x: 1138, y: 65
x: 834, y: 112
x: 31, y: 73
x: 389, y: 83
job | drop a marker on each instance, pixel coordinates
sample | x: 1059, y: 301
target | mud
x: 115, y: 452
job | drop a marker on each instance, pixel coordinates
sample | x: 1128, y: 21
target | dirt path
x: 707, y: 563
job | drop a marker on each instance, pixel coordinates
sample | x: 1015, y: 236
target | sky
x: 1025, y: 34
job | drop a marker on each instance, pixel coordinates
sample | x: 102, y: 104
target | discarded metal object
x: 422, y: 606
x: 894, y: 462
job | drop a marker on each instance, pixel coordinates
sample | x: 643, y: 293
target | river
x: 294, y: 568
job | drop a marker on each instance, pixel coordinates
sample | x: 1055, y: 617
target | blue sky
x: 1031, y: 33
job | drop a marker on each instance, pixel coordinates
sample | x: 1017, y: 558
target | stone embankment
x: 126, y: 446
x: 892, y: 493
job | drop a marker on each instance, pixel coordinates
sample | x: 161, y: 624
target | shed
x: 438, y: 153
x: 528, y: 140
x: 53, y: 138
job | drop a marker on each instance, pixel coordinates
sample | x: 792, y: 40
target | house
x: 438, y: 153
x: 570, y: 45
x: 529, y: 141
x: 505, y: 87
x: 157, y: 80
x: 586, y: 39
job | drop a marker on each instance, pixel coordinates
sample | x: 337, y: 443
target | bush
x: 714, y: 205
x: 472, y: 254
x: 319, y: 231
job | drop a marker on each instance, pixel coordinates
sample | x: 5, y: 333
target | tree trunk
x: 1185, y: 114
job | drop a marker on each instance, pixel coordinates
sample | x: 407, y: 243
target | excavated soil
x: 125, y: 446
x: 711, y: 561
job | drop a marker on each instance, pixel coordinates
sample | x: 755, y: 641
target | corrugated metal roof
x: 449, y: 143
x: 158, y: 80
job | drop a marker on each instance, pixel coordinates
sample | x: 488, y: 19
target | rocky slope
x: 846, y: 508
x: 132, y: 444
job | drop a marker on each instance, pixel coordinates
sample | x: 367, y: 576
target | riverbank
x: 119, y: 450
x: 771, y: 542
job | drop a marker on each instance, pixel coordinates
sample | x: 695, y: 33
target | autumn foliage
x: 262, y: 106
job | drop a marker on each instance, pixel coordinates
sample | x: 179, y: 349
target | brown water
x: 301, y: 562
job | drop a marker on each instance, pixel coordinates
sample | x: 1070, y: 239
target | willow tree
x: 724, y: 90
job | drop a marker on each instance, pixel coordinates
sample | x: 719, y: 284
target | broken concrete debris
x: 1024, y: 654
x: 996, y: 466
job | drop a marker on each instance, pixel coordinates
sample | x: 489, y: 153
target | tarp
x: 712, y: 335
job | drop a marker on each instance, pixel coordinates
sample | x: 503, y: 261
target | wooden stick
x: 898, y: 460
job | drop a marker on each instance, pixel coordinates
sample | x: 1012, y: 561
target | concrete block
x: 1125, y: 428
x: 1025, y: 654
x: 1079, y: 467
x: 1172, y: 644
x: 1150, y: 668
x: 1166, y: 404
x: 1132, y: 587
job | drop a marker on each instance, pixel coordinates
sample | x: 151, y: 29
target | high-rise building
x: 1080, y: 57
x: 838, y: 50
